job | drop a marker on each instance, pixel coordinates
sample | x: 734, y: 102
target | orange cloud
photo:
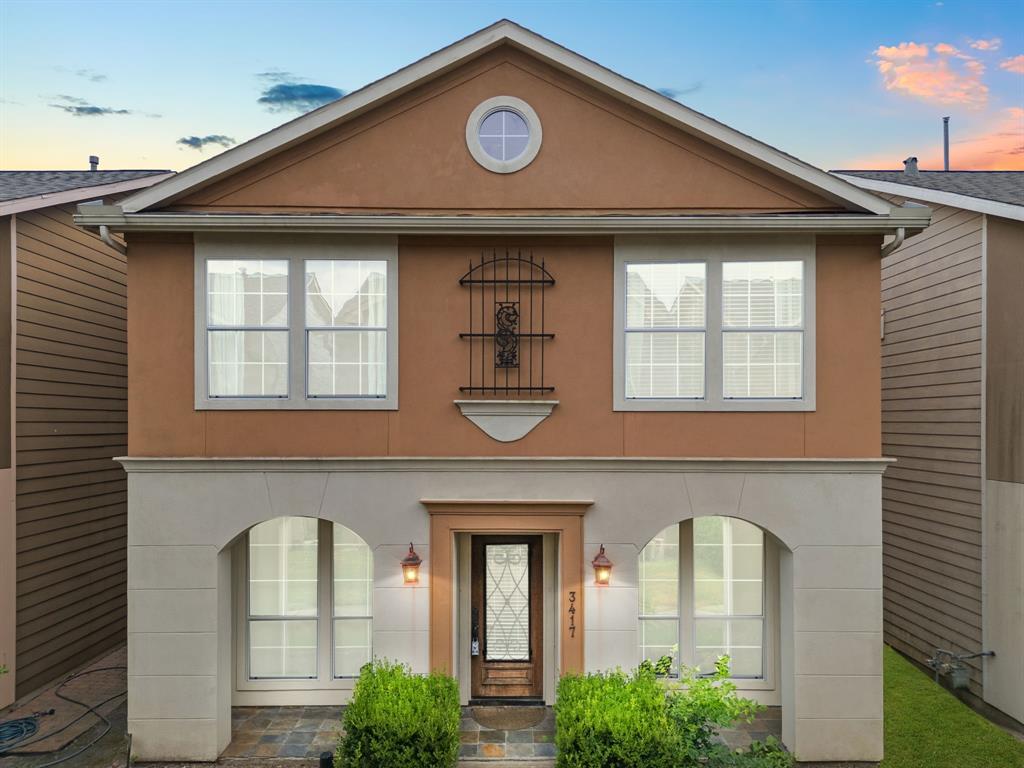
x: 997, y: 146
x: 1015, y: 64
x: 987, y: 45
x: 951, y: 77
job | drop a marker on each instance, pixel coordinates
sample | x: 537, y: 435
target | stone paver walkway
x: 481, y: 742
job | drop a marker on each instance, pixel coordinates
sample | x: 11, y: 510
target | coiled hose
x: 23, y: 731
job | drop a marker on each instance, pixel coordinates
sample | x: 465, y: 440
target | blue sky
x: 839, y: 84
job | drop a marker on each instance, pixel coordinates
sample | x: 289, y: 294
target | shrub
x: 397, y: 718
x: 766, y: 754
x: 614, y: 720
x: 699, y: 705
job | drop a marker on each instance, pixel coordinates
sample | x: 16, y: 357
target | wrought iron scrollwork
x: 507, y: 330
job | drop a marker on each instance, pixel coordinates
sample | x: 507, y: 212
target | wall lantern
x: 411, y: 566
x: 602, y: 568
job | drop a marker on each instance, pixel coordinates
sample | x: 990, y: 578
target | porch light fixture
x: 602, y: 568
x: 411, y: 566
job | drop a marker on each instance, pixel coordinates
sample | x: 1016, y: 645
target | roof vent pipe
x: 94, y: 162
x: 945, y: 143
x: 910, y: 166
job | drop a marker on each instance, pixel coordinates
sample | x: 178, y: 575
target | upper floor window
x: 304, y: 324
x: 714, y: 324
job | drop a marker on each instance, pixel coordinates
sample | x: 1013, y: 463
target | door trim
x: 564, y: 518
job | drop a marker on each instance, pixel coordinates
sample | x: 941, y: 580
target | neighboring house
x: 62, y: 344
x: 953, y: 416
x: 518, y: 310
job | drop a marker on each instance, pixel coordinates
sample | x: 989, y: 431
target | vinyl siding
x: 931, y: 423
x: 71, y: 416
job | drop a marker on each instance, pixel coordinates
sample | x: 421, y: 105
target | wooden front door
x: 505, y: 622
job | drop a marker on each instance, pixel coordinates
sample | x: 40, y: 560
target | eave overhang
x: 912, y: 219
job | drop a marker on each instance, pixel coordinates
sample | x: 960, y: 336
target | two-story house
x: 516, y: 313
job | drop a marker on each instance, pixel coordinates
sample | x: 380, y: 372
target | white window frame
x: 713, y: 251
x: 296, y: 250
x: 325, y: 680
x: 512, y: 104
x: 686, y: 625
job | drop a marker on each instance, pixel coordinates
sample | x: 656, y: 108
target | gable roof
x: 27, y: 190
x: 504, y: 32
x: 1000, y: 193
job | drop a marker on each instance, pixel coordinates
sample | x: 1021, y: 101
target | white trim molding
x: 967, y: 202
x: 714, y: 252
x: 506, y: 420
x: 911, y: 218
x: 295, y: 250
x: 506, y: 32
x: 533, y: 127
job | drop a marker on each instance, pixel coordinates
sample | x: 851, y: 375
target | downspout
x: 108, y: 240
x: 887, y: 249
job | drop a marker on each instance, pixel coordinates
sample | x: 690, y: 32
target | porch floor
x: 520, y: 736
x: 283, y: 731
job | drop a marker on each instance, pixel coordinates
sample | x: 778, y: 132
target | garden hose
x: 24, y: 731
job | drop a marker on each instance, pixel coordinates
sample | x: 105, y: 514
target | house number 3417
x: 572, y: 614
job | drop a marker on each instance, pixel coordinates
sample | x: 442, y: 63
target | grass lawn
x: 927, y: 727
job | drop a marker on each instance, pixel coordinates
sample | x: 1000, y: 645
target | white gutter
x: 909, y: 219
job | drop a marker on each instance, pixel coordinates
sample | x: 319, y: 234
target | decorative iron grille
x: 506, y: 323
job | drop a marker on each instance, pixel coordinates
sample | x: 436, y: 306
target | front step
x: 493, y: 736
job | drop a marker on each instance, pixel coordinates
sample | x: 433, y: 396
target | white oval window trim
x: 499, y: 104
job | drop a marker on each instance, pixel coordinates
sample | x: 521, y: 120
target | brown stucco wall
x: 1004, y: 348
x: 598, y: 155
x: 433, y: 361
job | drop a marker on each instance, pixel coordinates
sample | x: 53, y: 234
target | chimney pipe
x: 945, y: 143
x: 910, y: 166
x: 94, y: 162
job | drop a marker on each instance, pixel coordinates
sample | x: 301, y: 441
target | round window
x: 503, y: 134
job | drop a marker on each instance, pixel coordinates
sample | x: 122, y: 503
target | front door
x: 505, y: 621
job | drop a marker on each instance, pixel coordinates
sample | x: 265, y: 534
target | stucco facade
x: 589, y: 468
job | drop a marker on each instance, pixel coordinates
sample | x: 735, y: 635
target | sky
x: 159, y: 84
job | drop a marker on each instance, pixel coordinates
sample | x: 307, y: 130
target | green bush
x: 761, y: 754
x: 700, y: 705
x: 397, y: 718
x: 614, y: 720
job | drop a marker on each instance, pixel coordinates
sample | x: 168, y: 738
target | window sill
x: 722, y: 406
x: 306, y: 404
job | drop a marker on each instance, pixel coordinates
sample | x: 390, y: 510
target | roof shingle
x: 15, y: 185
x: 998, y: 186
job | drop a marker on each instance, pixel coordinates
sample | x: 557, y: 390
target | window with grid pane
x: 247, y: 327
x: 283, y: 611
x: 352, y: 568
x: 701, y: 586
x: 659, y: 596
x: 762, y: 329
x: 346, y: 328
x: 665, y: 330
x: 728, y: 594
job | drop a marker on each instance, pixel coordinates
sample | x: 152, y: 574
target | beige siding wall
x: 931, y: 403
x: 71, y: 422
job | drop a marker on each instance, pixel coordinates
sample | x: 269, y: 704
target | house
x: 62, y: 345
x: 953, y: 416
x: 506, y: 313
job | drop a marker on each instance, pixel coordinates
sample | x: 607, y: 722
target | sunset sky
x: 838, y: 84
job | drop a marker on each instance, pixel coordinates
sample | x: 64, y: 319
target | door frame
x: 561, y: 517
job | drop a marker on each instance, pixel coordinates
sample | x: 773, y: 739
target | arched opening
x: 710, y: 587
x: 304, y: 611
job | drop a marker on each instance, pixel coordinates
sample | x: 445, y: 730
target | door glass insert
x: 507, y: 602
